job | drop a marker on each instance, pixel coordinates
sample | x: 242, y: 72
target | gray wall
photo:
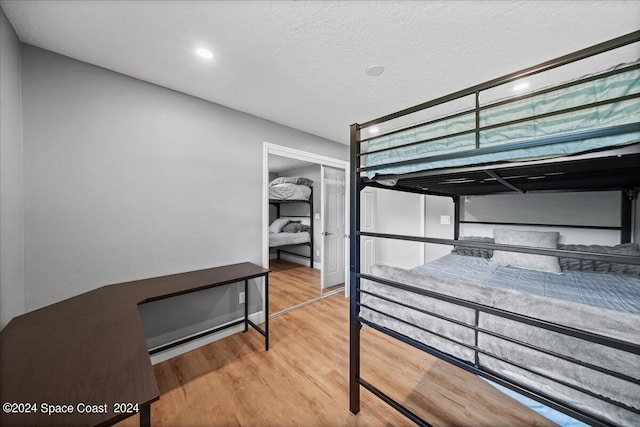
x: 127, y: 180
x: 435, y: 207
x: 399, y: 213
x: 12, y: 291
x: 588, y: 208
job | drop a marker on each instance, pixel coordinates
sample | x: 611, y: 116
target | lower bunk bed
x: 499, y: 319
x: 290, y: 232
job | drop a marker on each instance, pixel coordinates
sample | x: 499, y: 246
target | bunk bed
x: 570, y: 341
x: 288, y: 191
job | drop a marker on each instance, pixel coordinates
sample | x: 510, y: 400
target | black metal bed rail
x: 461, y: 113
x: 293, y: 253
x: 619, y: 151
x: 548, y: 65
x: 532, y: 224
x: 477, y: 129
x: 498, y: 379
x: 535, y: 142
x: 532, y: 321
x: 596, y: 256
x: 512, y: 363
x: 476, y: 328
x: 506, y: 101
x: 576, y: 82
x: 394, y: 404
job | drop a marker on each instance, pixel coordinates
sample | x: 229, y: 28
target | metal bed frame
x: 277, y: 203
x: 609, y: 169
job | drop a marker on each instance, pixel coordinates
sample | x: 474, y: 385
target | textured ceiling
x: 302, y: 63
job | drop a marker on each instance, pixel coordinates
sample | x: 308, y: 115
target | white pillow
x: 537, y: 239
x: 278, y: 223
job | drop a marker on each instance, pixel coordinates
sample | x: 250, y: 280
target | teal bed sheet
x: 566, y: 124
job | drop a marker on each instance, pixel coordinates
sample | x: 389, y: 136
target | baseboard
x: 299, y: 260
x: 156, y: 358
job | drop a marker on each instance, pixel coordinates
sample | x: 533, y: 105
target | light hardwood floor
x: 291, y: 284
x: 302, y: 380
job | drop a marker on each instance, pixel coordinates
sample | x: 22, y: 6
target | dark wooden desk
x: 89, y: 352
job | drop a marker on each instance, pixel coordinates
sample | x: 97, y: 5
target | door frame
x: 279, y: 150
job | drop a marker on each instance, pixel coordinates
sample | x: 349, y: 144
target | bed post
x: 456, y: 217
x: 354, y: 281
x: 626, y: 215
x: 311, y: 255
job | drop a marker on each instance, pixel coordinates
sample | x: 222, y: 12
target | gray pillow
x: 295, y: 227
x: 477, y: 252
x: 575, y: 264
x: 537, y: 239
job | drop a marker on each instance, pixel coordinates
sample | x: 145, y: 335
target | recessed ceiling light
x: 521, y: 86
x: 374, y: 70
x: 204, y: 53
x: 374, y: 129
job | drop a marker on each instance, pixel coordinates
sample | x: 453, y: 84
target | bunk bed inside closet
x: 572, y: 343
x: 291, y: 231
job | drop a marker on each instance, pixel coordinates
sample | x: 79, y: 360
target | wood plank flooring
x: 302, y: 380
x: 291, y: 284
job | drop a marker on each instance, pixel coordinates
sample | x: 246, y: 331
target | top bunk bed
x: 580, y: 133
x: 290, y: 189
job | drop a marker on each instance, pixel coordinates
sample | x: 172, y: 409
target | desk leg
x: 246, y: 305
x: 145, y: 416
x: 266, y: 312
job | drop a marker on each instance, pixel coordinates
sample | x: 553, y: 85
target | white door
x: 367, y: 223
x: 333, y: 237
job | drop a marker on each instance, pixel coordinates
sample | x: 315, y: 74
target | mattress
x: 454, y: 276
x: 289, y: 192
x: 547, y: 130
x: 614, y: 292
x: 283, y: 239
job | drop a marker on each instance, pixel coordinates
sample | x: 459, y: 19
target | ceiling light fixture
x: 204, y: 53
x: 521, y: 86
x: 374, y: 130
x: 374, y: 70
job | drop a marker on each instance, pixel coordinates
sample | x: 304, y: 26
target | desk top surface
x: 91, y: 349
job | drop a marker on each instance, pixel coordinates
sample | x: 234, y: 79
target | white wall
x: 127, y: 180
x: 586, y: 208
x: 436, y: 207
x: 399, y: 213
x: 12, y: 291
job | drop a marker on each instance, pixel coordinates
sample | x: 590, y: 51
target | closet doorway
x: 304, y: 223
